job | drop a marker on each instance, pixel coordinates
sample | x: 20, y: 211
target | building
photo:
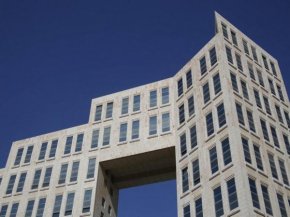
x: 220, y: 126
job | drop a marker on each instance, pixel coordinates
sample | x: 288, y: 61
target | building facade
x: 220, y: 127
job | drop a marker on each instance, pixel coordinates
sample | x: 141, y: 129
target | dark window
x: 212, y: 54
x: 273, y: 68
x: 185, y: 186
x: 234, y: 38
x: 193, y: 137
x: 245, y: 90
x: 136, y: 103
x: 209, y: 124
x: 275, y: 137
x: 213, y: 160
x: 218, y: 202
x: 265, y: 130
x: 21, y: 182
x: 287, y: 143
x: 232, y: 192
x: 29, y: 209
x: 125, y: 106
x: 18, y: 156
x: 246, y: 149
x: 68, y: 145
x: 282, y: 205
x: 225, y: 31
x: 40, y: 208
x: 267, y: 200
x: 260, y: 77
x: 229, y: 55
x: 183, y: 148
x: 258, y: 157
x: 251, y: 121
x: 257, y: 98
x: 36, y: 179
x: 79, y: 143
x: 42, y: 151
x: 217, y: 84
x: 221, y: 115
x: 98, y: 114
x: 226, y: 151
x: 251, y: 71
x: 206, y: 93
x: 265, y: 62
x: 181, y: 114
x: 198, y: 208
x: 53, y: 148
x: 186, y: 211
x: 287, y: 118
x: 190, y: 106
x: 47, y: 176
x: 189, y: 79
x: 196, y: 173
x: 153, y: 98
x: 273, y: 166
x: 280, y: 93
x: 109, y: 112
x: 69, y: 204
x: 234, y: 82
x: 180, y: 87
x: 254, y: 193
x: 202, y: 64
x: 254, y: 54
x: 239, y: 62
x: 284, y: 172
x: 267, y: 105
x: 246, y: 49
x: 57, y: 206
x: 240, y: 114
x: 87, y: 201
x: 272, y: 87
x: 28, y: 154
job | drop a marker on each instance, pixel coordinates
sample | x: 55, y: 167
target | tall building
x: 220, y: 127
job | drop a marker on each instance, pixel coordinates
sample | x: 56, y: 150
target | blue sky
x: 55, y: 56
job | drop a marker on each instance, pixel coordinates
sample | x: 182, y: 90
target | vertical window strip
x: 287, y: 118
x: 165, y: 122
x: 186, y: 211
x: 136, y: 103
x: 198, y: 208
x: 257, y: 98
x: 14, y: 209
x: 135, y: 129
x: 267, y: 201
x: 209, y: 124
x: 74, y: 171
x: 21, y: 182
x: 106, y: 136
x: 47, y: 177
x: 234, y: 82
x: 254, y: 54
x: 280, y: 92
x: 260, y: 77
x: 185, y: 186
x: 68, y: 145
x: 246, y: 149
x: 245, y: 90
x: 123, y: 132
x: 196, y: 173
x: 254, y: 193
x: 41, y: 207
x: 267, y: 105
x: 232, y: 194
x: 217, y: 84
x: 258, y: 157
x: 273, y: 68
x: 202, y: 64
x: 226, y: 151
x: 239, y: 62
x: 125, y: 106
x: 79, y: 142
x: 165, y: 95
x: 229, y: 55
x: 87, y: 201
x: 109, y: 112
x: 282, y: 205
x: 29, y: 208
x: 251, y: 71
x: 287, y: 143
x: 251, y: 121
x: 240, y: 114
x: 53, y: 148
x: 274, y: 136
x: 62, y: 175
x: 206, y: 93
x: 95, y: 138
x: 28, y: 154
x: 36, y: 179
x: 265, y: 130
x: 218, y: 201
x: 191, y: 108
x: 265, y: 62
x: 193, y: 137
x: 246, y: 49
x: 180, y: 87
x: 183, y: 148
x: 98, y: 114
x: 221, y: 115
x: 272, y: 88
x: 69, y: 204
x: 153, y: 125
x: 11, y: 184
x: 18, y: 157
x: 181, y: 114
x: 57, y: 206
x: 213, y: 160
x: 225, y: 31
x: 42, y: 151
x: 153, y: 98
x: 213, y: 57
x: 234, y: 38
x: 273, y: 166
x: 284, y: 172
x: 91, y: 168
x: 279, y: 114
x: 3, y: 211
x: 189, y: 79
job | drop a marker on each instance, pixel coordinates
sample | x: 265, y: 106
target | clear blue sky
x: 55, y: 56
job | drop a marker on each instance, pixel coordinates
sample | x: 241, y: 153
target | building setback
x: 220, y: 127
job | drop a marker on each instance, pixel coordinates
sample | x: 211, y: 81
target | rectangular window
x: 153, y: 125
x: 212, y: 54
x: 287, y: 118
x: 3, y: 211
x: 191, y: 108
x: 125, y: 106
x: 257, y: 98
x: 189, y: 79
x: 225, y: 31
x: 11, y: 184
x: 165, y: 122
x: 40, y: 208
x: 106, y: 136
x: 185, y: 186
x: 21, y: 182
x: 36, y: 179
x: 246, y: 149
x: 267, y: 200
x: 264, y: 130
x: 254, y: 193
x: 69, y: 204
x: 57, y: 206
x: 181, y: 114
x: 193, y: 137
x: 135, y: 129
x: 226, y: 151
x: 272, y: 87
x: 196, y: 173
x: 260, y: 77
x: 239, y: 62
x: 246, y: 49
x: 109, y: 112
x: 186, y: 211
x: 218, y: 202
x: 281, y: 205
x: 251, y: 71
x: 267, y: 105
x: 110, y: 210
x: 280, y: 92
x: 273, y: 68
x: 234, y: 82
x: 18, y: 157
x: 198, y: 208
x: 206, y: 93
x: 98, y: 114
x: 232, y: 194
x: 251, y: 121
x: 229, y: 55
x: 62, y: 175
x: 274, y: 136
x: 87, y: 201
x: 28, y: 154
x: 14, y: 209
x: 240, y: 114
x: 265, y: 62
x: 68, y: 145
x: 42, y: 151
x: 74, y: 171
x: 202, y: 64
x: 95, y: 138
x: 79, y: 143
x: 153, y: 98
x: 47, y: 177
x: 273, y: 166
x: 91, y: 168
x: 213, y: 160
x: 217, y: 84
x: 245, y: 90
x: 234, y: 38
x: 209, y: 124
x: 123, y: 132
x: 258, y: 157
x: 254, y: 54
x: 165, y: 95
x: 136, y: 103
x: 221, y: 115
x: 183, y: 148
x: 53, y: 148
x: 284, y: 172
x: 287, y: 143
x: 180, y: 87
x: 29, y: 209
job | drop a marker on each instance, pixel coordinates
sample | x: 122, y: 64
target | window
x: 267, y: 200
x: 11, y: 184
x: 103, y: 202
x: 254, y: 193
x: 245, y: 90
x: 212, y: 54
x: 202, y: 64
x: 281, y: 205
x: 258, y: 157
x: 234, y: 38
x: 53, y: 148
x: 14, y: 209
x: 125, y: 106
x: 21, y: 182
x: 240, y: 114
x: 123, y: 132
x: 283, y: 172
x: 106, y: 136
x: 273, y: 166
x: 265, y: 62
x: 226, y: 151
x: 246, y: 149
x: 110, y: 210
x: 275, y: 137
x: 251, y: 71
x: 69, y: 204
x: 165, y: 122
x: 47, y: 177
x: 213, y: 160
x: 98, y: 114
x: 40, y: 208
x: 189, y: 79
x: 180, y: 87
x: 267, y: 105
x: 68, y: 145
x: 62, y: 175
x: 246, y: 49
x: 95, y: 138
x: 193, y: 137
x: 229, y: 55
x: 91, y: 168
x: 135, y: 129
x: 181, y: 114
x: 57, y: 206
x: 218, y: 202
x: 272, y: 87
x: 165, y: 95
x: 232, y: 194
x: 209, y: 124
x: 74, y: 171
x: 264, y: 130
x: 102, y: 214
x: 18, y: 156
x: 153, y: 98
x: 206, y: 93
x: 234, y: 82
x: 42, y: 151
x: 153, y: 125
x: 79, y: 142
x: 191, y: 109
x: 251, y: 121
x: 29, y: 209
x: 198, y: 208
x: 87, y: 201
x: 185, y: 186
x: 111, y: 192
x: 136, y: 103
x: 183, y: 149
x: 3, y: 211
x: 287, y: 118
x: 257, y: 98
x: 239, y: 62
x: 196, y: 173
x: 225, y: 31
x: 260, y: 77
x: 221, y: 115
x: 217, y: 84
x: 273, y: 68
x: 109, y: 112
x: 28, y: 154
x: 254, y: 54
x: 287, y: 144
x: 186, y: 211
x: 280, y: 92
x: 36, y: 179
